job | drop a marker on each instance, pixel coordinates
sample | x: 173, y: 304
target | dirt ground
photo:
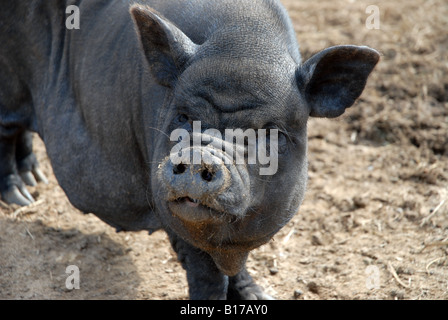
x: 374, y: 223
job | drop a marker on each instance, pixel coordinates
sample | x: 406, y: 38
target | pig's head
x: 238, y: 80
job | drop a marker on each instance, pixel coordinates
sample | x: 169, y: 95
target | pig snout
x: 207, y: 178
x: 209, y: 186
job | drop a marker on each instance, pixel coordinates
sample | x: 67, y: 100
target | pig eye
x: 282, y: 142
x: 182, y: 118
x: 282, y: 139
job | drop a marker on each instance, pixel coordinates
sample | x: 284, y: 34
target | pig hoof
x: 31, y: 178
x: 16, y: 176
x: 28, y: 178
x: 17, y: 194
x: 30, y: 172
x: 251, y: 292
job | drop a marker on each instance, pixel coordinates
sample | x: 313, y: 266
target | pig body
x: 106, y: 98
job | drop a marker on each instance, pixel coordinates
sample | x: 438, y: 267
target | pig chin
x: 194, y: 210
x: 223, y: 236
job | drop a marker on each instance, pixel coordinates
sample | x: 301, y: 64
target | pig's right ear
x: 167, y: 48
x: 334, y: 78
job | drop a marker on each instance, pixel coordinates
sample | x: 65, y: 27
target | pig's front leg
x: 205, y: 281
x: 243, y: 287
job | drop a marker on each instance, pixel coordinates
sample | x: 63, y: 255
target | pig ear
x: 167, y: 48
x: 334, y: 78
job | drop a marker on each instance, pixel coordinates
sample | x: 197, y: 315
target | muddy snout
x: 204, y: 175
x: 203, y: 184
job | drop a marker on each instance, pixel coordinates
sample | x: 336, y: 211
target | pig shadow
x: 41, y: 262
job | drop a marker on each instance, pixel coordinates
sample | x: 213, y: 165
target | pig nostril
x: 180, y: 168
x: 207, y: 175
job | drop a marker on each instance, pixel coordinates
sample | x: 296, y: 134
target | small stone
x: 273, y: 270
x: 297, y: 293
x: 397, y: 294
x: 359, y: 202
x: 313, y: 287
x: 315, y: 240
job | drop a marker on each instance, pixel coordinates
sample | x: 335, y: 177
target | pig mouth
x: 194, y: 203
x: 196, y: 210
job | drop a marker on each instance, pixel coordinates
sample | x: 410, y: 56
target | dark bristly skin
x: 105, y: 99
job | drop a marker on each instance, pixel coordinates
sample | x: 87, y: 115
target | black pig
x: 106, y: 98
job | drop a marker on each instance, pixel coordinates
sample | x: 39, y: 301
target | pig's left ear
x: 167, y: 48
x: 334, y: 78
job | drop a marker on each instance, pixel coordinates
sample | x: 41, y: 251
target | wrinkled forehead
x: 241, y: 82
